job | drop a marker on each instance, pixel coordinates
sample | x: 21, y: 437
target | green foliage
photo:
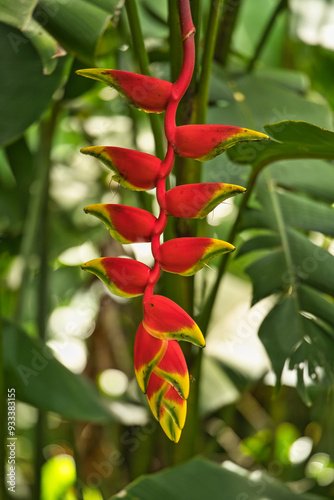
x: 211, y: 480
x: 32, y: 369
x: 282, y: 229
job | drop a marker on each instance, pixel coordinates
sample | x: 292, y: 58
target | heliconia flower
x: 160, y: 365
x: 162, y: 357
x: 144, y: 92
x: 186, y: 256
x: 204, y: 142
x: 123, y: 277
x: 173, y: 368
x: 148, y: 351
x: 126, y: 224
x: 196, y: 201
x: 168, y: 407
x: 134, y: 170
x: 166, y: 320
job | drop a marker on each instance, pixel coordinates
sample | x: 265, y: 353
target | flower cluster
x: 160, y: 366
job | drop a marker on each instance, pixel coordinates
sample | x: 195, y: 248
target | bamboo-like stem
x: 282, y: 5
x: 208, y: 53
x: 47, y: 128
x: 33, y: 219
x: 204, y: 318
x: 143, y: 60
x: 175, y: 43
x: 227, y: 24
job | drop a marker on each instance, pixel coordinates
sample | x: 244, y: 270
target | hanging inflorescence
x: 160, y: 366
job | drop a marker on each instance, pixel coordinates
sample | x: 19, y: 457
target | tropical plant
x: 263, y: 409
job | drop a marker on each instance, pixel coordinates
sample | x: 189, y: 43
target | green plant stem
x: 43, y: 158
x: 33, y: 219
x: 175, y: 42
x: 282, y: 5
x: 143, y: 60
x: 203, y: 322
x: 208, y: 53
x: 228, y: 21
x: 204, y: 317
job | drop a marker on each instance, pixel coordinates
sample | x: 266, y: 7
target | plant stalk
x: 226, y: 28
x: 209, y: 48
x: 282, y: 5
x: 47, y: 128
x: 143, y: 60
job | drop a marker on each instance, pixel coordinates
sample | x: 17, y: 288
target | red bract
x: 166, y: 320
x: 143, y: 92
x: 134, y: 170
x: 195, y: 201
x: 126, y: 224
x: 204, y: 142
x: 124, y: 277
x: 186, y: 256
x: 160, y: 366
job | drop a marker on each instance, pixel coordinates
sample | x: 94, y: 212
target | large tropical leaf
x: 200, y: 478
x: 286, y: 263
x: 42, y: 381
x: 290, y: 139
x: 25, y: 92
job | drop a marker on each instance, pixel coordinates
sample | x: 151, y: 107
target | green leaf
x: 299, y: 328
x: 16, y: 14
x: 45, y: 45
x: 24, y: 91
x: 200, y: 478
x: 40, y: 380
x: 290, y: 139
x: 306, y: 176
x: 216, y: 388
x: 77, y: 25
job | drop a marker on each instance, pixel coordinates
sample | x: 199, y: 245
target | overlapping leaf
x: 299, y: 330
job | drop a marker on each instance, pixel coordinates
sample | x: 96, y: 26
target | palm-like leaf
x: 283, y: 260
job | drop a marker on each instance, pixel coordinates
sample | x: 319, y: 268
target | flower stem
x: 209, y: 47
x: 204, y: 317
x: 143, y: 60
x: 280, y: 7
x: 226, y: 28
x: 47, y: 128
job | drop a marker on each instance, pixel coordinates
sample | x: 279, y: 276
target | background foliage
x: 262, y: 393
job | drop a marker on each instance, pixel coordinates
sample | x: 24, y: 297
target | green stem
x: 47, y: 128
x: 227, y: 24
x: 32, y: 225
x: 209, y: 48
x: 282, y: 5
x: 175, y: 42
x: 204, y: 317
x: 143, y: 60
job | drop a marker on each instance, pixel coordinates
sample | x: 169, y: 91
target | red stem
x: 178, y: 90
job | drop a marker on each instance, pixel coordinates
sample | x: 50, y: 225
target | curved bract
x: 160, y: 365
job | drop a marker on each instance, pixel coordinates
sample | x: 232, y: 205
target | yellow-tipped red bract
x: 204, y: 142
x: 168, y: 407
x: 148, y: 351
x: 196, y: 201
x: 144, y: 92
x: 133, y: 170
x: 186, y: 256
x: 162, y: 373
x: 126, y: 224
x: 123, y: 277
x: 166, y: 320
